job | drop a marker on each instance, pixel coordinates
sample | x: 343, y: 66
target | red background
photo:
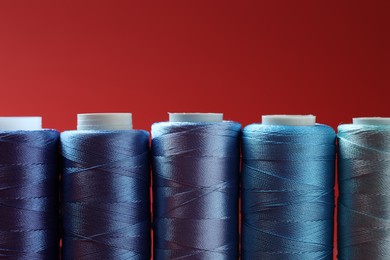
x: 243, y: 58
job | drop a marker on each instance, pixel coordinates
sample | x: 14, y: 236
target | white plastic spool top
x: 105, y: 121
x: 289, y: 120
x: 15, y: 123
x: 196, y: 117
x: 371, y: 121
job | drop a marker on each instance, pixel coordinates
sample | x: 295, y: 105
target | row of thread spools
x: 90, y: 188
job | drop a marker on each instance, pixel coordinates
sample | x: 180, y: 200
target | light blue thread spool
x: 287, y: 189
x: 364, y: 187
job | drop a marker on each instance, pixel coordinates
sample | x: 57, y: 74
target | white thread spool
x: 105, y: 121
x: 289, y: 120
x: 15, y: 123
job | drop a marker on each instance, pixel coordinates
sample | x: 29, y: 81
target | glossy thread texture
x: 287, y: 192
x: 105, y: 195
x: 29, y: 195
x: 364, y: 186
x: 196, y: 189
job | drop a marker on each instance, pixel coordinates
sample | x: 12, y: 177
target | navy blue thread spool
x: 29, y: 177
x: 287, y: 189
x: 364, y: 194
x: 196, y: 161
x: 105, y: 189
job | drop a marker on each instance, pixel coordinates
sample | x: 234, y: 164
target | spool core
x: 105, y: 121
x: 289, y: 120
x: 371, y: 121
x: 15, y: 123
x: 196, y: 117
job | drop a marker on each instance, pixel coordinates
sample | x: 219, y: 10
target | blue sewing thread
x: 105, y: 195
x: 364, y: 188
x: 29, y: 194
x: 287, y: 192
x: 196, y: 189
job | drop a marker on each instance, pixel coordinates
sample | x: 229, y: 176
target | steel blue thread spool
x: 28, y: 189
x: 105, y: 189
x: 195, y: 187
x: 287, y: 189
x: 364, y: 183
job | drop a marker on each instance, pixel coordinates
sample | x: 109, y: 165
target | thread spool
x: 105, y: 189
x: 364, y: 196
x: 195, y: 187
x: 28, y: 189
x: 287, y: 189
